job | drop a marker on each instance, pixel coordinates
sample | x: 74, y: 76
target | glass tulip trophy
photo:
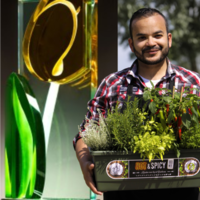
x: 47, y: 62
x: 52, y: 49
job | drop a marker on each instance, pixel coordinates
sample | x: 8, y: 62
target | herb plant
x: 125, y: 126
x: 167, y: 121
x: 154, y: 141
x: 96, y: 134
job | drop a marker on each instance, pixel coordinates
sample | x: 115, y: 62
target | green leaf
x: 167, y: 99
x: 195, y: 119
x: 188, y: 123
x: 177, y: 95
x: 152, y: 107
x: 178, y: 153
x: 190, y: 96
x: 186, y: 119
x: 159, y: 89
x: 152, y: 84
x: 146, y: 95
x: 170, y: 116
x: 195, y: 89
x: 194, y: 111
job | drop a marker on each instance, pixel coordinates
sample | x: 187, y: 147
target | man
x: 150, y: 41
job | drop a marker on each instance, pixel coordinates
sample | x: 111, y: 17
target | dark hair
x: 145, y: 12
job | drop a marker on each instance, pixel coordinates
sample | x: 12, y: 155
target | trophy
x: 59, y: 47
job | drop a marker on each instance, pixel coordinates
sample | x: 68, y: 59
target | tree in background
x: 184, y: 24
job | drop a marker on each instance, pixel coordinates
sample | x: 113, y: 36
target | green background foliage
x: 184, y: 24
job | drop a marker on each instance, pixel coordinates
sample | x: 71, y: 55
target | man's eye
x: 158, y: 36
x: 141, y: 38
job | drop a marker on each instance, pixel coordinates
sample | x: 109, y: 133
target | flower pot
x: 116, y: 171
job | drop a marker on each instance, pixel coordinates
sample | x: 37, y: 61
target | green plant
x: 167, y: 121
x: 133, y: 130
x: 96, y: 134
x: 155, y: 141
x: 124, y: 126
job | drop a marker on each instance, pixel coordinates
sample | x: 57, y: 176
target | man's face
x: 150, y: 41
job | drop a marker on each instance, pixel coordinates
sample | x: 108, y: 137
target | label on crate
x: 137, y: 169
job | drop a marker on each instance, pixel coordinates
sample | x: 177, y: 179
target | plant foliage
x: 96, y: 134
x: 125, y: 125
x: 170, y: 122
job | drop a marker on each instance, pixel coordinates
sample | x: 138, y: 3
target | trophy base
x: 44, y: 199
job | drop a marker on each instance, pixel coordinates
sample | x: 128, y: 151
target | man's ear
x: 130, y: 42
x: 170, y: 39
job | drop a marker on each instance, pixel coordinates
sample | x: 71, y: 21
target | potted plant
x: 156, y: 146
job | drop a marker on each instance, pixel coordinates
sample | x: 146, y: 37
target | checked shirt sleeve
x: 100, y: 101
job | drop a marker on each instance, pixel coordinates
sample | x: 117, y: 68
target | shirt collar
x: 133, y: 72
x: 170, y: 69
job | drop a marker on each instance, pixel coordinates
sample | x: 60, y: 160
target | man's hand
x: 86, y: 164
x: 87, y: 170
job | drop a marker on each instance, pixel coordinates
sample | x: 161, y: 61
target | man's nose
x: 150, y: 42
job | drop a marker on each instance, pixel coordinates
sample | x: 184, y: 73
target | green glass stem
x: 22, y: 157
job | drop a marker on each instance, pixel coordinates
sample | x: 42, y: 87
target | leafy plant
x: 96, y: 134
x: 172, y: 121
x: 155, y: 141
x: 124, y: 126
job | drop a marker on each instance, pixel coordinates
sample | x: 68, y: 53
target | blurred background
x: 184, y: 24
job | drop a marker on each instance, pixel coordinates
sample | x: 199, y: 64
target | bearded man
x: 150, y: 40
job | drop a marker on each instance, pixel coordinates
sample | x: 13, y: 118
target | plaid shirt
x: 113, y: 88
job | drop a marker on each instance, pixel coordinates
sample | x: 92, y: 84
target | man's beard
x: 141, y: 58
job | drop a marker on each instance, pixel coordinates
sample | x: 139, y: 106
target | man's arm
x: 86, y: 164
x: 82, y: 151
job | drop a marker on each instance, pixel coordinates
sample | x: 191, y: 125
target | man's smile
x: 151, y: 51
